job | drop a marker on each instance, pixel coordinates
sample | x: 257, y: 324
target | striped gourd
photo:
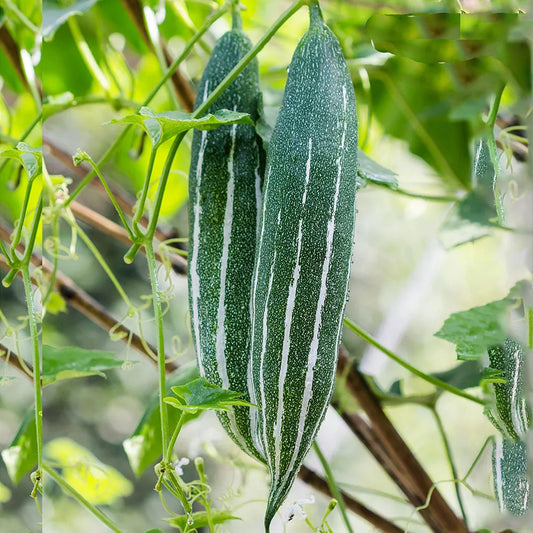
x: 224, y: 199
x: 303, y: 255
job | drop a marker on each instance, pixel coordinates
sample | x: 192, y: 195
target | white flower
x: 176, y: 465
x: 296, y: 511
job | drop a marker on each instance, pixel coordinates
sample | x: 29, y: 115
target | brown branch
x: 416, y: 483
x: 12, y: 359
x: 103, y: 224
x: 181, y: 85
x: 314, y: 480
x: 12, y: 52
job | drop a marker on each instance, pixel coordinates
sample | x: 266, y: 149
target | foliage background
x: 419, y: 117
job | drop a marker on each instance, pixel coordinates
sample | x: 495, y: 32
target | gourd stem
x: 236, y: 21
x: 315, y: 14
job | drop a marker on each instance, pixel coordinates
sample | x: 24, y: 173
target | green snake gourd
x: 304, y: 254
x: 224, y: 200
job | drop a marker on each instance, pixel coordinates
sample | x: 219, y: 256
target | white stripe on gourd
x: 225, y: 169
x: 304, y: 254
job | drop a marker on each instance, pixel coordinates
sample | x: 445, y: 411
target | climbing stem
x: 426, y: 377
x: 81, y: 500
x: 333, y: 486
x: 156, y: 299
x: 453, y: 468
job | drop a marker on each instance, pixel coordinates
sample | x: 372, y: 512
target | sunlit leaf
x: 200, y: 395
x: 199, y: 519
x: 21, y: 455
x: 143, y: 448
x: 99, y: 483
x: 54, y: 104
x: 56, y: 13
x: 56, y: 304
x: 75, y: 362
x: 510, y: 472
x: 511, y: 413
x: 162, y: 126
x: 30, y: 158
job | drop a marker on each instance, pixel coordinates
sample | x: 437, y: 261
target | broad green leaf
x: 99, y: 483
x: 56, y: 13
x: 75, y: 362
x: 143, y: 448
x: 470, y: 219
x: 475, y: 330
x: 370, y: 170
x: 464, y: 376
x: 510, y: 472
x: 511, y: 413
x: 5, y: 494
x: 30, y: 158
x: 21, y: 456
x: 200, y: 395
x: 199, y: 519
x: 162, y: 126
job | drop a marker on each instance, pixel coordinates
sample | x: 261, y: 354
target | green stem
x: 34, y: 332
x: 5, y: 253
x: 430, y: 379
x: 174, y: 437
x: 144, y: 193
x: 336, y: 493
x: 87, y: 55
x: 488, y: 440
x: 81, y: 500
x: 156, y: 298
x: 451, y: 462
x: 37, y: 120
x: 86, y: 157
x: 96, y: 253
x: 209, y: 21
x: 236, y: 22
x: 163, y: 183
x: 430, y: 198
x: 22, y: 218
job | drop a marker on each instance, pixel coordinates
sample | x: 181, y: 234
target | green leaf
x: 99, y: 483
x: 75, y: 362
x: 5, y: 494
x: 511, y: 413
x: 30, y: 158
x: 57, y: 12
x: 200, y: 395
x: 370, y: 170
x: 199, y: 519
x: 162, y: 126
x: 510, y: 472
x: 143, y: 448
x: 475, y: 330
x: 21, y: 456
x: 470, y: 219
x: 464, y: 376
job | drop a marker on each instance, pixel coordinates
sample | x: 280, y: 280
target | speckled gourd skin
x: 304, y: 255
x: 222, y: 227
